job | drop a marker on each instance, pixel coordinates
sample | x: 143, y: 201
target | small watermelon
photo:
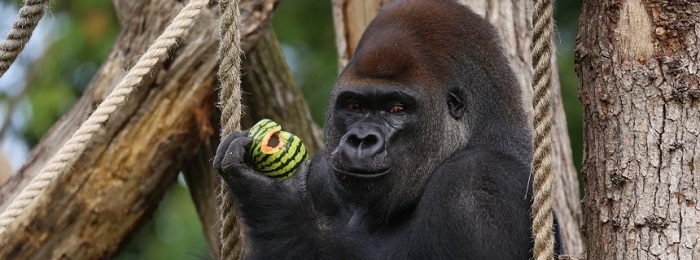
x: 273, y: 152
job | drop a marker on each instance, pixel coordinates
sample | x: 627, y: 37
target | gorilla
x: 427, y: 152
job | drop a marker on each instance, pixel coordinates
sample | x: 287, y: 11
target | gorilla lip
x: 364, y: 175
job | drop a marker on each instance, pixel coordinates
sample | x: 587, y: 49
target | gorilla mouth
x: 362, y: 174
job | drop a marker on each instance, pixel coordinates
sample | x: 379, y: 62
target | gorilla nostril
x: 363, y: 144
x: 354, y: 140
x: 370, y: 141
x: 366, y: 141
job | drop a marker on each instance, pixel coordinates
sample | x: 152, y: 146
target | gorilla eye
x: 397, y: 109
x: 354, y: 107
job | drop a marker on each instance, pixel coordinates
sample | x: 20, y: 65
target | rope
x: 73, y: 148
x: 542, y: 225
x: 229, y: 102
x: 22, y: 29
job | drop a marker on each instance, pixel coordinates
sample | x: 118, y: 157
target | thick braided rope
x: 542, y: 225
x: 22, y: 29
x: 230, y: 104
x: 73, y: 148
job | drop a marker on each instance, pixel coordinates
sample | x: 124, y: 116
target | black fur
x: 427, y: 153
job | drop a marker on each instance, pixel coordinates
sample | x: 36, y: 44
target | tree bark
x: 638, y: 63
x: 5, y: 169
x: 116, y: 184
x: 513, y: 21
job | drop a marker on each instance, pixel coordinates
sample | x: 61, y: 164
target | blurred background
x: 75, y: 37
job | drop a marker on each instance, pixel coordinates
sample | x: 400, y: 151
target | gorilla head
x: 420, y: 88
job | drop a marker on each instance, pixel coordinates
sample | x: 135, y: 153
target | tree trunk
x: 116, y: 184
x: 638, y: 63
x: 513, y: 20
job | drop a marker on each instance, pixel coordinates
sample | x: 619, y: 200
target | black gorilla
x: 427, y: 153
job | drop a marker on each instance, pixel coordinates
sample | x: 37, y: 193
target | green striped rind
x: 280, y: 164
x: 258, y: 132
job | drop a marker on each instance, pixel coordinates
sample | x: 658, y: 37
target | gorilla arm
x: 280, y: 218
x: 475, y: 205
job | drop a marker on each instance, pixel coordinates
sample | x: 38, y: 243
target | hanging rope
x: 73, y: 148
x: 542, y: 225
x: 229, y: 102
x: 22, y: 29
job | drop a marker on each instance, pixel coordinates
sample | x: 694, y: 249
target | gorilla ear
x: 455, y: 103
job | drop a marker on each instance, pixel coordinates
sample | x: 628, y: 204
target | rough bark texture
x: 638, y: 63
x: 512, y: 18
x: 351, y: 17
x: 116, y: 184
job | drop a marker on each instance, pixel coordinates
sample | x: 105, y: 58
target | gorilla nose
x: 363, y: 143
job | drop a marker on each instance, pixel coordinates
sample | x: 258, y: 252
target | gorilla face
x: 372, y: 120
x: 387, y: 138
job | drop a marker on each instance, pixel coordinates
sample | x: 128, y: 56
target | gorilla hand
x: 229, y: 163
x: 281, y: 201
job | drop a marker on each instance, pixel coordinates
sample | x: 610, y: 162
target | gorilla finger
x: 234, y: 154
x: 229, y: 138
x: 246, y: 182
x: 224, y: 144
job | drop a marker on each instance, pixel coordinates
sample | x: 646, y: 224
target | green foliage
x: 59, y: 77
x: 49, y: 101
x: 566, y: 18
x: 305, y: 29
x: 174, y: 232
